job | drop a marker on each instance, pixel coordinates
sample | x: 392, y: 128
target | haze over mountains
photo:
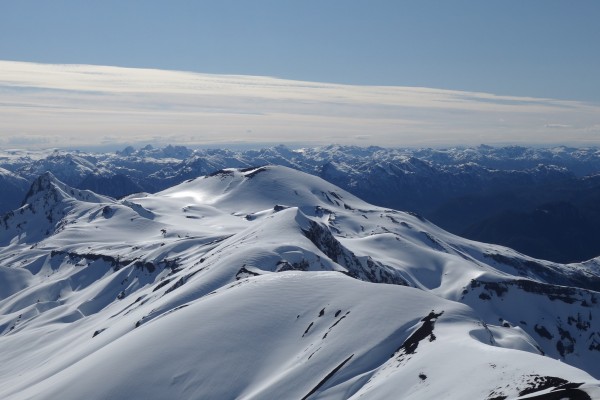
x: 543, y: 202
x: 268, y: 282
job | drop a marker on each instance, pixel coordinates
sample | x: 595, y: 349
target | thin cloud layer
x: 43, y: 105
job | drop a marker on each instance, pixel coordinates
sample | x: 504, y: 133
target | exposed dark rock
x: 566, y: 344
x: 567, y: 295
x: 543, y: 332
x: 222, y: 173
x: 255, y: 171
x: 244, y: 273
x: 531, y: 268
x: 562, y: 394
x: 161, y: 284
x: 324, y: 380
x: 284, y: 265
x: 373, y: 271
x: 307, y: 329
x: 97, y: 332
x: 411, y: 344
x: 278, y: 208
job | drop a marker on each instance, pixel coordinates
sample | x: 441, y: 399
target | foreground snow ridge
x: 269, y: 283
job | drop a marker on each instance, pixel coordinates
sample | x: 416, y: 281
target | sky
x: 545, y: 50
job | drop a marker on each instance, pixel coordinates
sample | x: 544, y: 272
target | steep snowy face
x: 47, y: 191
x: 47, y: 202
x: 266, y: 282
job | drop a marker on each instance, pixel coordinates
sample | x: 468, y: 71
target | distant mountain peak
x: 45, y: 183
x: 46, y: 204
x: 50, y: 190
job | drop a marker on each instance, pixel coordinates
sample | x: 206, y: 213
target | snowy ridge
x: 468, y: 191
x: 43, y: 209
x: 266, y: 282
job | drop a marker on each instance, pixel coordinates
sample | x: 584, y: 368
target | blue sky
x: 537, y: 48
x: 494, y: 72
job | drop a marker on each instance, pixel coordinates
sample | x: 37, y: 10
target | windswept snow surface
x: 268, y: 283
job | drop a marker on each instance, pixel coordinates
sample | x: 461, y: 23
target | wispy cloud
x: 71, y: 105
x: 558, y: 126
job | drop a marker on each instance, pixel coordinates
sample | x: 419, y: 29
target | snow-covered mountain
x: 464, y: 190
x: 269, y: 283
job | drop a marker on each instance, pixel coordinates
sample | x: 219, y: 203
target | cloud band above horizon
x: 49, y: 105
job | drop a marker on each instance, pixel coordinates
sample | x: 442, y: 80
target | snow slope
x: 268, y: 283
x: 468, y: 191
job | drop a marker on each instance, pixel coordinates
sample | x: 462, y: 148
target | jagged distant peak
x: 49, y: 189
x: 44, y: 209
x: 169, y: 151
x: 43, y: 183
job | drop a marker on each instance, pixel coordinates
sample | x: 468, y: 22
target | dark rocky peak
x: 126, y: 152
x: 47, y: 190
x: 46, y: 182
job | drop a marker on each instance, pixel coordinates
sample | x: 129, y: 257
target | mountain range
x: 515, y: 196
x: 267, y: 282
